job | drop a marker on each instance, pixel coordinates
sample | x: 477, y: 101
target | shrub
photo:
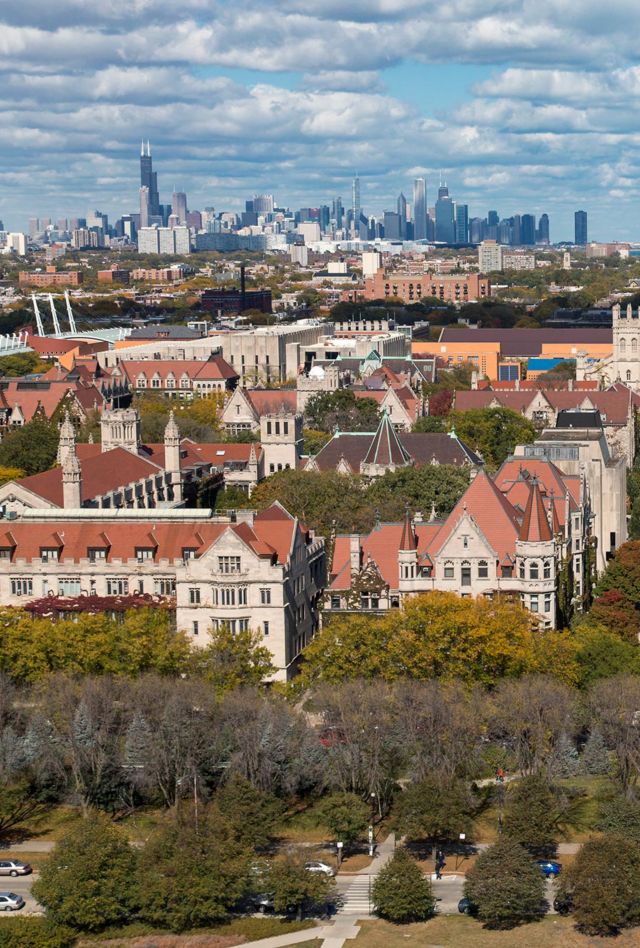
x: 506, y: 886
x: 401, y: 892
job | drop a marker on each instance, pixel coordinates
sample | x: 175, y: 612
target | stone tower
x: 281, y: 438
x: 626, y: 345
x: 120, y: 428
x: 172, y: 456
x: 67, y: 442
x: 71, y: 481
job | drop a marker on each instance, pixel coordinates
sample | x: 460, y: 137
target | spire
x: 386, y: 450
x: 171, y: 432
x: 434, y: 513
x: 148, y: 149
x: 142, y: 148
x: 67, y: 440
x: 535, y: 526
x: 71, y: 480
x: 408, y: 538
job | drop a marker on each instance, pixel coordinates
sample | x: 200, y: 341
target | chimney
x: 354, y: 553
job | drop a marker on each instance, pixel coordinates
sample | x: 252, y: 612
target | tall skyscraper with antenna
x: 356, y: 209
x: 149, y: 200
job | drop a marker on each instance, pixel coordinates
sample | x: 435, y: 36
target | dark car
x: 467, y: 907
x: 549, y: 868
x: 563, y: 904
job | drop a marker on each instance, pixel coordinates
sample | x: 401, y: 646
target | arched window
x: 534, y: 571
x: 465, y: 573
x: 448, y: 570
x: 628, y: 376
x: 483, y: 569
x: 547, y: 569
x: 623, y: 347
x: 521, y: 571
x: 634, y: 344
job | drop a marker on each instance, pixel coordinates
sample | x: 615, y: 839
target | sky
x: 523, y: 106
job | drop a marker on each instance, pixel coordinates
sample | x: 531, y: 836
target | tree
x: 10, y: 474
x: 595, y: 759
x: 253, y: 814
x: 314, y: 441
x: 346, y: 816
x: 615, y: 703
x: 617, y: 592
x: 531, y: 815
x: 89, y: 881
x: 192, y: 873
x: 341, y: 409
x: 438, y: 486
x: 18, y: 803
x: 604, y: 885
x: 601, y: 653
x: 506, y: 885
x: 620, y: 814
x: 32, y: 448
x: 294, y: 888
x: 429, y: 423
x: 233, y: 659
x: 435, y: 810
x: 401, y: 892
x: 494, y: 432
x: 437, y: 635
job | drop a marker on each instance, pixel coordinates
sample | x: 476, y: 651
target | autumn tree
x: 233, y: 659
x: 617, y: 593
x: 494, y: 432
x: 615, y: 703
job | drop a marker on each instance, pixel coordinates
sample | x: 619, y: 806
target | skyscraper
x: 462, y: 223
x: 149, y: 180
x: 445, y: 217
x: 179, y: 206
x: 337, y: 211
x: 543, y: 229
x: 419, y: 209
x: 580, y: 222
x: 402, y: 214
x: 528, y: 230
x: 263, y: 203
x: 356, y: 210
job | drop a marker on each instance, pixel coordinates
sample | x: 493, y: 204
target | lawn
x: 459, y: 932
x: 237, y: 932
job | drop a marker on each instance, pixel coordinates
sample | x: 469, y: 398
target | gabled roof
x: 535, y: 526
x: 268, y: 401
x: 491, y: 511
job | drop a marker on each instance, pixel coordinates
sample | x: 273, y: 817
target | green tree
x: 90, y: 879
x: 314, y: 441
x: 494, y: 432
x: 327, y: 411
x: 620, y: 814
x: 604, y: 884
x: 401, y: 892
x: 294, y: 888
x: 601, y: 653
x: 438, y: 486
x: 253, y: 814
x: 233, y: 659
x: 346, y: 816
x: 531, y: 815
x: 430, y: 423
x: 595, y: 759
x: 35, y: 932
x: 23, y: 363
x: 192, y: 872
x: 32, y: 448
x: 435, y: 810
x: 19, y: 803
x: 506, y: 886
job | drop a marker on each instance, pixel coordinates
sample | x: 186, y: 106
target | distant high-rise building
x: 337, y: 211
x: 528, y: 230
x: 392, y: 226
x: 476, y: 230
x: 489, y: 256
x: 462, y: 223
x: 34, y: 227
x: 402, y: 214
x: 179, y: 206
x: 149, y: 180
x: 419, y: 209
x: 145, y: 208
x: 581, y: 233
x: 445, y: 217
x: 543, y: 229
x: 516, y: 230
x: 263, y: 204
x: 356, y: 209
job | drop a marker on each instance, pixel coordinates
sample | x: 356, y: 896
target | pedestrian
x: 440, y: 863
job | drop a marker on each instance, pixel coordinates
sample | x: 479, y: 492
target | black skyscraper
x: 580, y: 219
x: 149, y: 179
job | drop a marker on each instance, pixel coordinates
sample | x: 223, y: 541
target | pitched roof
x: 423, y: 448
x: 492, y: 512
x: 535, y: 526
x: 408, y: 537
x: 267, y: 401
x: 214, y: 369
x: 385, y: 449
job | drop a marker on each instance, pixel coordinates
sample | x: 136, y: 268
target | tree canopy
x: 31, y: 448
x: 327, y: 411
x: 494, y: 432
x: 401, y: 891
x: 505, y: 885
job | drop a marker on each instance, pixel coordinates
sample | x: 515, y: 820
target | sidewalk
x: 334, y: 936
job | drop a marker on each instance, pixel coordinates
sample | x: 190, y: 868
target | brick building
x: 412, y: 287
x: 51, y: 276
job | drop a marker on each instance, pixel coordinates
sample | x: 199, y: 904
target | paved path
x: 30, y: 846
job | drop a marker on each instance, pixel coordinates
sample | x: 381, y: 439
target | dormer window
x: 5, y: 552
x: 49, y: 554
x: 97, y: 554
x: 188, y: 553
x: 145, y: 553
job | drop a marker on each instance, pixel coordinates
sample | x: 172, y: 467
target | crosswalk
x: 356, y: 899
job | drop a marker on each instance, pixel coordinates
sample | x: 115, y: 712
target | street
x: 21, y: 886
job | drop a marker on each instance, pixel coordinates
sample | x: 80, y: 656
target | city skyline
x: 519, y: 111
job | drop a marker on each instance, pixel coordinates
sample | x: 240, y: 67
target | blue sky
x: 525, y: 105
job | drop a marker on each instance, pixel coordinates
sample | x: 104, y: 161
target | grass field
x: 460, y: 932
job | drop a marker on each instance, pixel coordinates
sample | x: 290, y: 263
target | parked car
x: 563, y: 904
x: 549, y: 868
x: 321, y: 867
x: 467, y: 907
x: 10, y: 902
x: 13, y: 867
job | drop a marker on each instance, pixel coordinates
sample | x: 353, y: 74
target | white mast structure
x: 36, y: 313
x: 54, y: 316
x: 72, y: 321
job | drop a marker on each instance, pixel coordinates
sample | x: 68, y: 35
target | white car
x: 10, y: 902
x: 320, y: 867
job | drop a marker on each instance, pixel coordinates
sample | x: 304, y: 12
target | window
x: 265, y: 628
x: 465, y: 543
x: 466, y: 573
x: 243, y: 625
x: 194, y: 628
x: 547, y: 603
x: 49, y: 554
x: 242, y: 596
x: 194, y: 596
x: 97, y: 554
x: 227, y: 596
x: 507, y: 572
x: 5, y: 553
x: 21, y: 587
x: 117, y: 586
x: 534, y: 571
x: 69, y: 586
x: 188, y: 554
x: 144, y: 553
x: 285, y: 427
x: 335, y: 602
x: 229, y: 564
x: 634, y: 345
x: 533, y: 603
x: 448, y: 571
x: 546, y: 572
x: 265, y: 597
x: 483, y: 569
x: 268, y: 427
x: 164, y: 586
x: 623, y: 347
x: 521, y: 571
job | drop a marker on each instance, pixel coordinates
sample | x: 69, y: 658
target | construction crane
x: 36, y: 313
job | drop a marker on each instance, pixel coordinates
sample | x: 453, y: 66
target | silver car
x: 320, y: 867
x: 13, y: 867
x: 10, y: 902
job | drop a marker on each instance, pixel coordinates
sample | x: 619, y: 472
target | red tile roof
x: 267, y: 401
x: 535, y: 526
x: 214, y: 369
